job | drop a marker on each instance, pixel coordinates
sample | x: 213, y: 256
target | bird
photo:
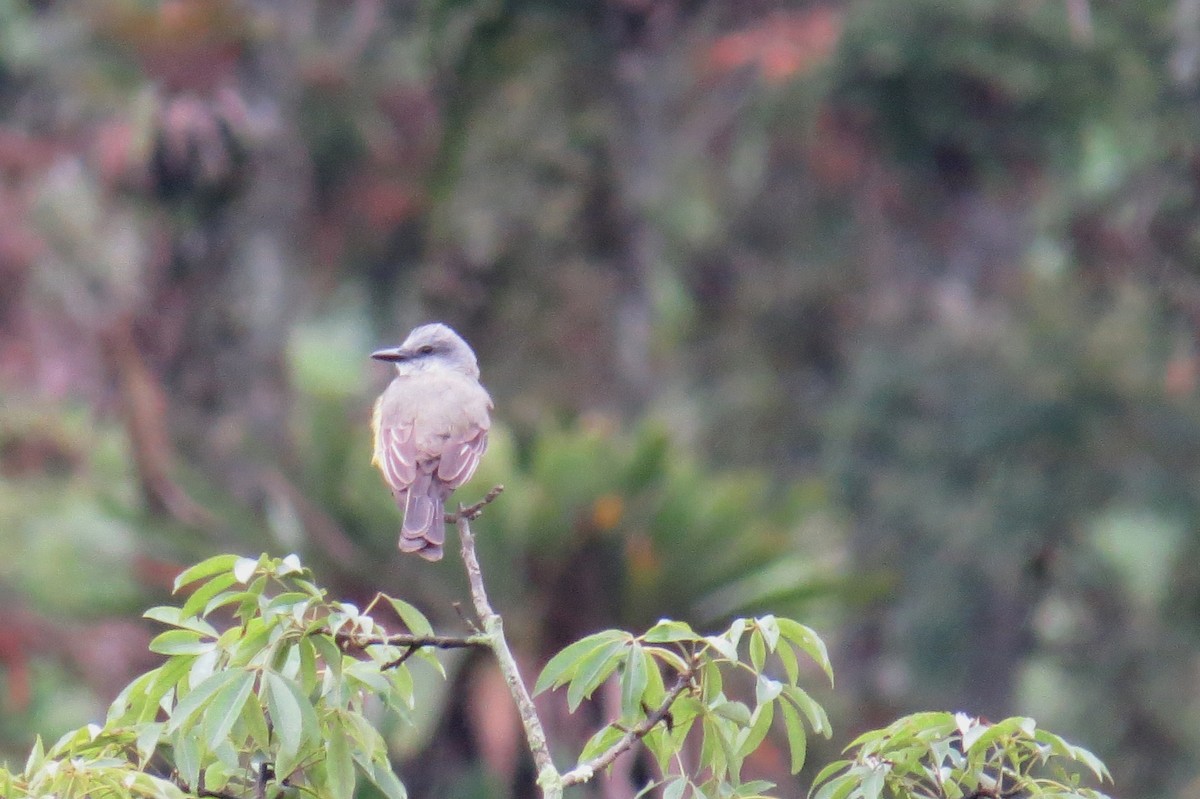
x: 430, y: 429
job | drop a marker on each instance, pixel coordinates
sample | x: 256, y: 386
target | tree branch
x: 493, y: 629
x: 473, y: 512
x: 351, y: 642
x: 585, y: 771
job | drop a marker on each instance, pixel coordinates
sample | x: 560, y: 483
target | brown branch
x: 493, y: 626
x: 412, y: 643
x: 354, y: 641
x: 585, y: 771
x: 473, y: 512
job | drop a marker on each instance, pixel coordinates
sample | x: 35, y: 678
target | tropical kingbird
x: 431, y: 428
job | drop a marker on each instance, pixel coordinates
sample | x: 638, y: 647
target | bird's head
x: 429, y: 347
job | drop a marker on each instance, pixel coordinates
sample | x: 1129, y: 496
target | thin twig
x: 473, y: 512
x: 585, y: 771
x: 467, y: 620
x: 493, y: 626
x: 354, y: 641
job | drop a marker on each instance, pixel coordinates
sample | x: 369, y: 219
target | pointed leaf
x: 196, y: 603
x: 287, y: 717
x: 205, y: 568
x: 667, y: 631
x: 196, y: 698
x: 563, y: 666
x: 225, y: 708
x: 634, y: 680
x: 807, y: 639
x: 593, y: 670
x: 413, y: 619
x: 180, y: 642
x: 339, y: 766
x: 797, y: 738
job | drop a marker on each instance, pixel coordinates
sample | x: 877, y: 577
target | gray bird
x: 431, y: 428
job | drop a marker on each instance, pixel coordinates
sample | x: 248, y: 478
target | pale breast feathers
x: 444, y: 424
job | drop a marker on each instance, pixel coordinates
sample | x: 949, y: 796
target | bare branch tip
x: 473, y: 512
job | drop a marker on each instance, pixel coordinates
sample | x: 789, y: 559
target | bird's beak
x: 391, y: 355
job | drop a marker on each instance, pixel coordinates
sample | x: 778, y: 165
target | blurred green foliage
x: 891, y: 304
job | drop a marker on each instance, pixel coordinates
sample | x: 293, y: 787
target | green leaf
x: 600, y: 741
x: 339, y: 766
x: 199, y: 599
x: 838, y: 788
x: 248, y: 608
x: 667, y: 631
x: 758, y: 651
x: 753, y: 789
x: 255, y: 638
x: 205, y: 568
x: 655, y: 691
x: 872, y: 784
x: 810, y: 708
x: 563, y: 667
x: 386, y: 780
x: 196, y: 698
x: 716, y: 751
x: 131, y: 704
x: 164, y: 614
x: 593, y: 670
x: 186, y: 747
x: 180, y: 642
x: 711, y: 681
x: 167, y: 676
x: 287, y: 715
x: 256, y: 723
x: 808, y: 641
x: 675, y: 789
x: 37, y: 756
x: 760, y: 724
x: 413, y: 619
x: 660, y: 745
x: 308, y: 665
x: 147, y: 742
x: 634, y: 680
x: 737, y: 712
x: 797, y: 738
x: 225, y: 708
x: 996, y: 731
x: 330, y: 655
x: 829, y: 770
x: 668, y: 656
x: 787, y: 656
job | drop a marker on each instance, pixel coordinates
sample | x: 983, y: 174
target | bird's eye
x: 426, y: 349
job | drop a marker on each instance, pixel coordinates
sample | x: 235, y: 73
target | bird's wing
x: 461, y: 455
x: 396, y: 454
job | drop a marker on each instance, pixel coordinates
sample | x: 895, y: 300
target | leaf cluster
x: 954, y: 756
x: 285, y: 696
x: 692, y: 701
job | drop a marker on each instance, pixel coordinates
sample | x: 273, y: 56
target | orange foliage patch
x: 783, y: 45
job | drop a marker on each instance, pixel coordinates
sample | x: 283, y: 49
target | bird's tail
x: 424, y: 528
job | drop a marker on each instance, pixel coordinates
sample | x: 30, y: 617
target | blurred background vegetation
x: 880, y: 313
